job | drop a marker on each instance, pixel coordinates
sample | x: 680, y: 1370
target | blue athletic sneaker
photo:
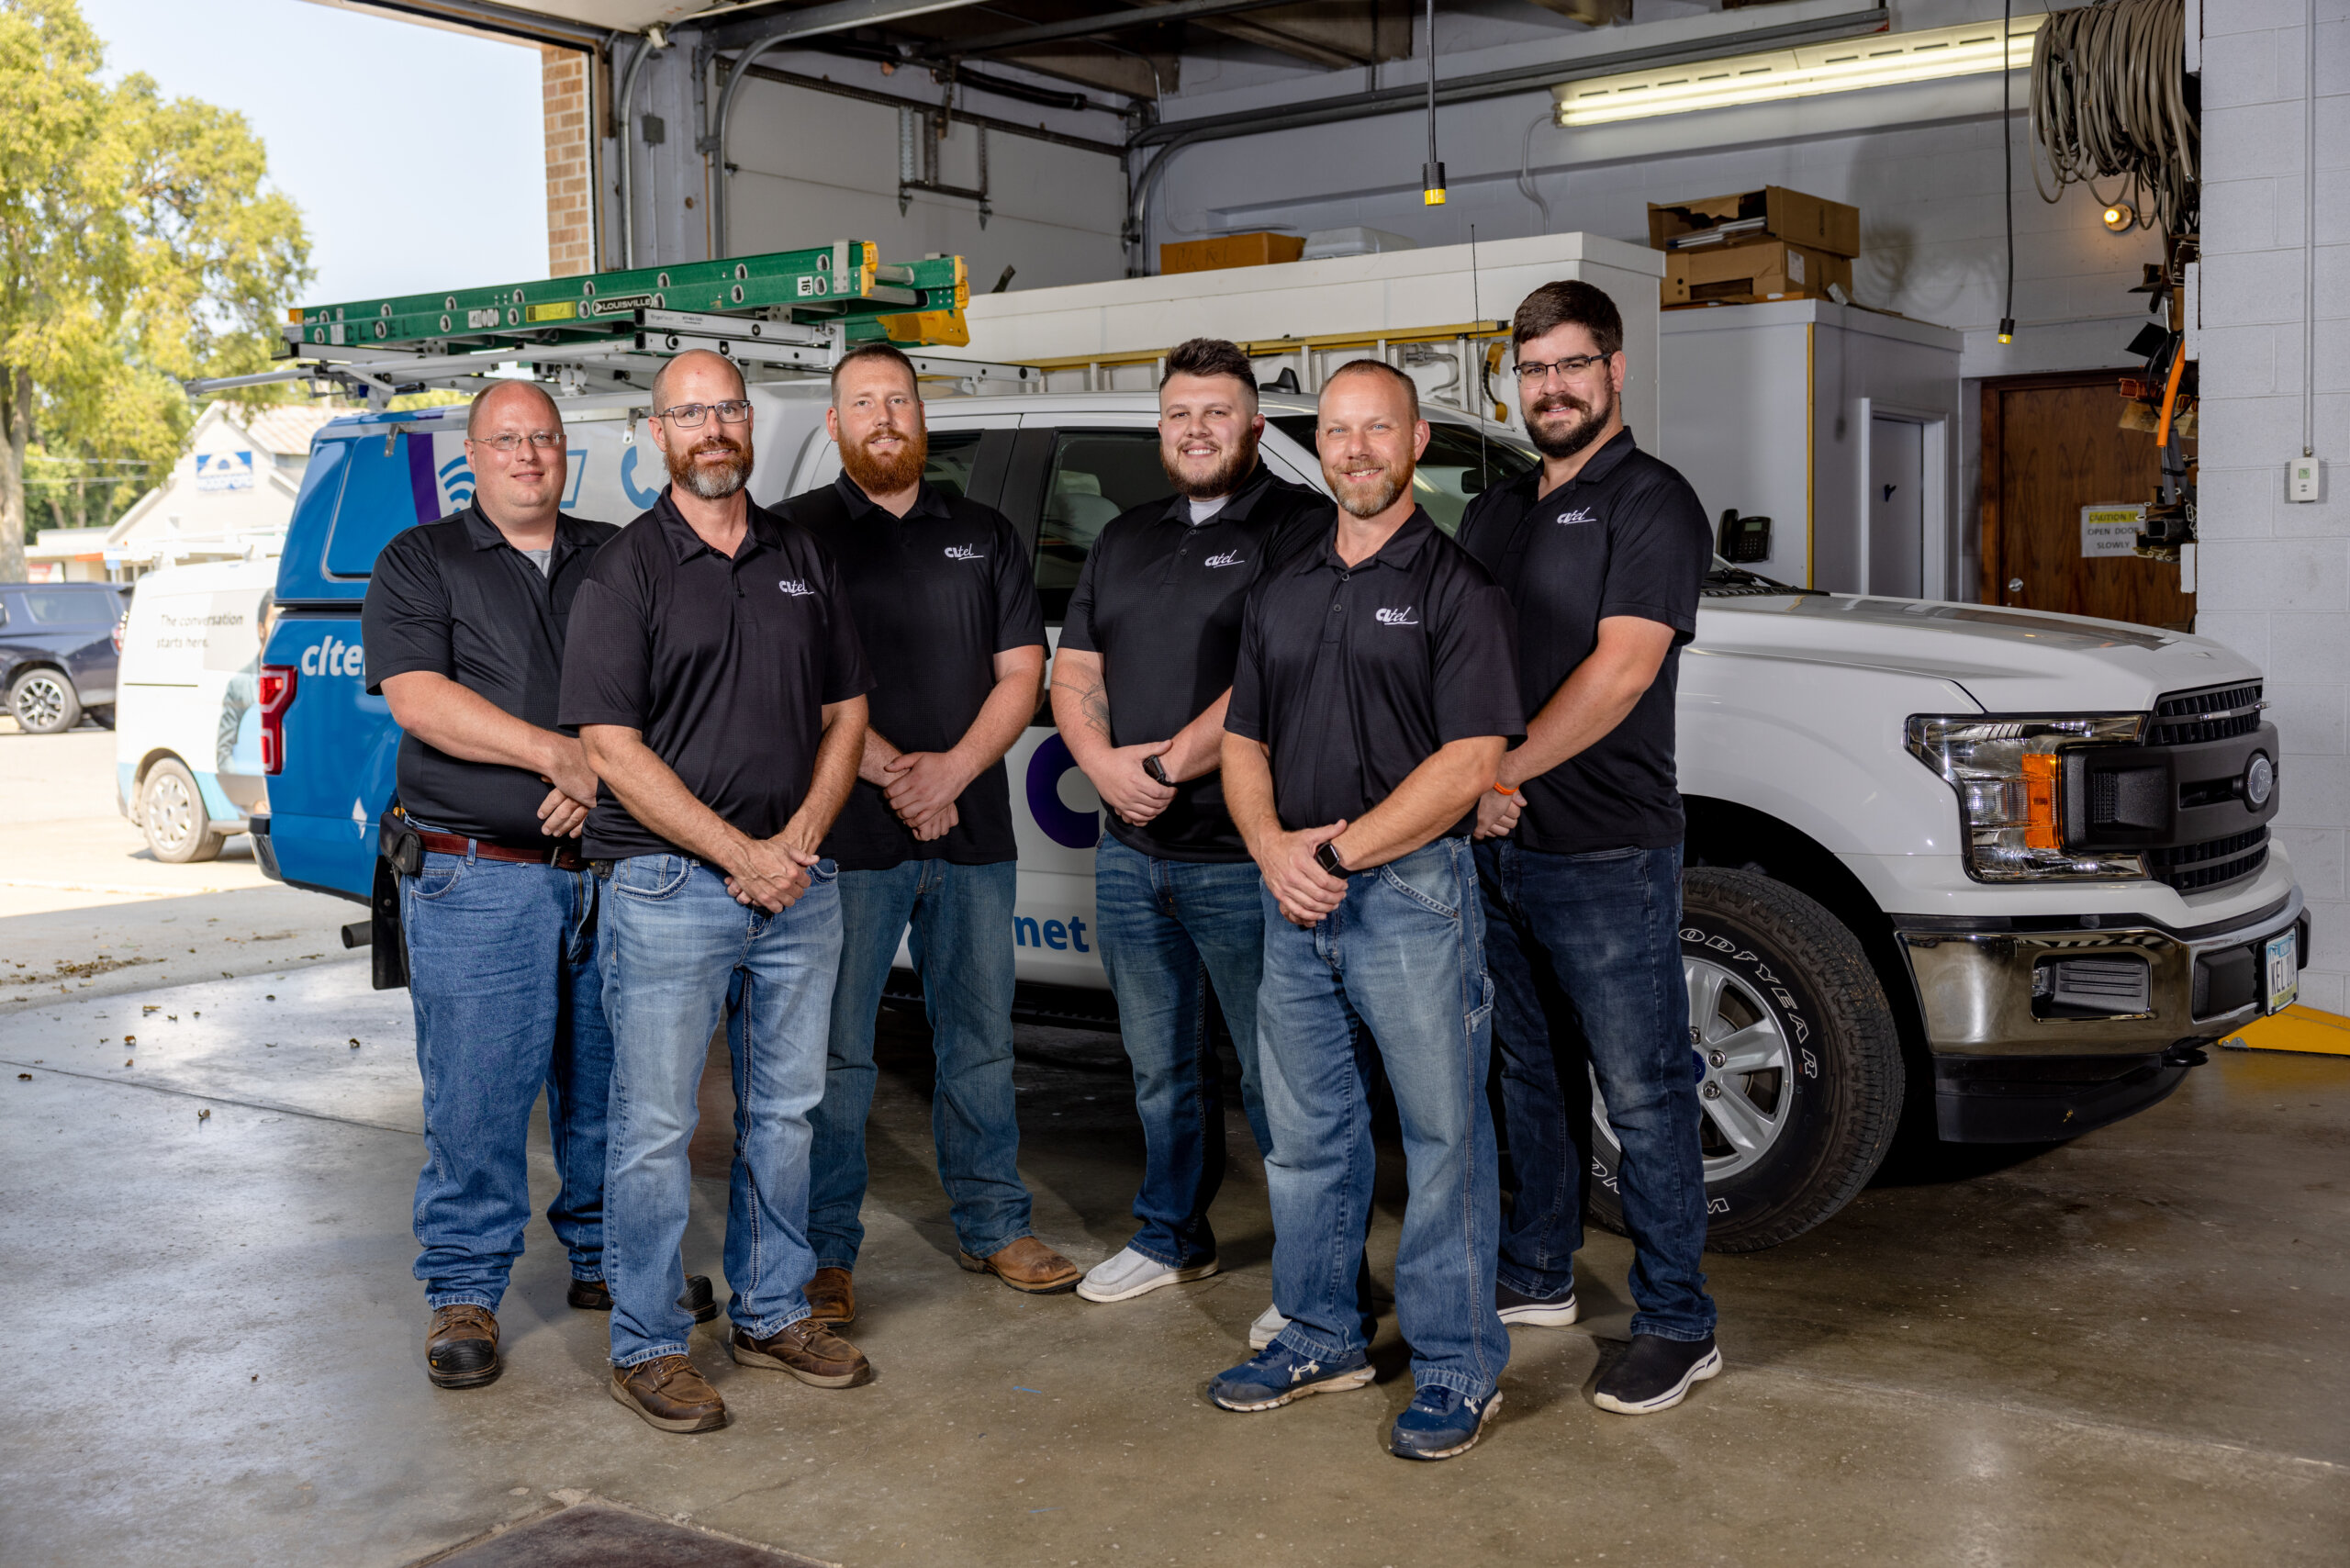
x: 1278, y: 1374
x: 1441, y: 1423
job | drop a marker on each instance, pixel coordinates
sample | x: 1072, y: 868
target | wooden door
x: 2052, y: 445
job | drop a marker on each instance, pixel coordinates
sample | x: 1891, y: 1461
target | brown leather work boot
x: 1026, y: 1265
x: 595, y: 1295
x: 808, y: 1350
x: 831, y: 1298
x: 461, y: 1348
x: 670, y: 1394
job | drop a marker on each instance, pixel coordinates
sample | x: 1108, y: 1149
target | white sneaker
x: 1266, y: 1329
x: 1129, y: 1274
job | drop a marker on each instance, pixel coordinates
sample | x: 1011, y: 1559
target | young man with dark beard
x: 1140, y: 682
x: 1370, y: 702
x: 716, y: 679
x: 1602, y: 555
x: 942, y: 590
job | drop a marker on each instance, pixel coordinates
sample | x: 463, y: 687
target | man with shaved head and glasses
x: 465, y: 627
x: 1603, y: 551
x: 716, y: 678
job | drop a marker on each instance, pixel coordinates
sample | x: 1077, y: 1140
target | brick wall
x: 2276, y: 575
x: 571, y: 223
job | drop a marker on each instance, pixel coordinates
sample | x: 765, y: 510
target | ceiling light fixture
x: 1877, y: 60
x: 2119, y: 215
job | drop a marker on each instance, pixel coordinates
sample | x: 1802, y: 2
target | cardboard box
x: 1230, y: 250
x: 1810, y: 221
x: 1746, y: 274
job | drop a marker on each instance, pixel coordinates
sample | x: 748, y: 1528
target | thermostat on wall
x: 2302, y: 477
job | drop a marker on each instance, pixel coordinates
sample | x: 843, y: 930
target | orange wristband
x: 1500, y: 789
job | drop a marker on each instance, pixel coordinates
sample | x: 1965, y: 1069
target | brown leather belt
x: 564, y: 857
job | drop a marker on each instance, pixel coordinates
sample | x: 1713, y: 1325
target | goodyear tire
x: 1799, y: 1072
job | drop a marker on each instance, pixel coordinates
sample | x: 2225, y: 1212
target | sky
x: 415, y: 153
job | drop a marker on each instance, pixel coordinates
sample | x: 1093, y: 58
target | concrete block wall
x: 2276, y: 575
x: 571, y: 225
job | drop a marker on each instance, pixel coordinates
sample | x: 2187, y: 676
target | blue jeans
x: 1169, y: 928
x: 1587, y: 957
x: 961, y: 917
x: 679, y: 955
x: 1399, y: 962
x: 503, y: 980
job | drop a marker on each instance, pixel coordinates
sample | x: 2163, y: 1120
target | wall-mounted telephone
x: 1743, y: 539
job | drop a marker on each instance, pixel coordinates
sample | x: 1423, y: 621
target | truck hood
x: 2010, y: 661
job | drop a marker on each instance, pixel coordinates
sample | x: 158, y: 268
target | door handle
x: 2015, y: 585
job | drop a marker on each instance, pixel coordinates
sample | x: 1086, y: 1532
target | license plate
x: 2283, y: 969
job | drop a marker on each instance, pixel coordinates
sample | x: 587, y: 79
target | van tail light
x: 277, y: 696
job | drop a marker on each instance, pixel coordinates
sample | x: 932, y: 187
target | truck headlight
x: 2008, y: 772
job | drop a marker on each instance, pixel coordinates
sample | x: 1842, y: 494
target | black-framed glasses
x: 686, y: 416
x: 508, y: 444
x: 1572, y: 366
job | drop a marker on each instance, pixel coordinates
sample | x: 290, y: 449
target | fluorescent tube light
x: 1877, y: 60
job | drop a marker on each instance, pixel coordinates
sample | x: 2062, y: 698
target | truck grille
x: 2185, y: 717
x: 2191, y: 866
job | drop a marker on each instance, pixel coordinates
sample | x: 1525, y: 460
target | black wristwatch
x: 1326, y: 855
x: 1157, y: 770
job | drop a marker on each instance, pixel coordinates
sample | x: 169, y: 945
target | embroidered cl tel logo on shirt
x: 1581, y: 514
x: 1396, y: 617
x: 1230, y: 558
x: 963, y: 552
x: 795, y: 588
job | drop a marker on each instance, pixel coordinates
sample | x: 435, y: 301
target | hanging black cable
x: 1432, y: 172
x: 2007, y: 162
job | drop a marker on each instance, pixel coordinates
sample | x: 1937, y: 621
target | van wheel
x: 1799, y: 1074
x: 43, y: 702
x: 171, y: 809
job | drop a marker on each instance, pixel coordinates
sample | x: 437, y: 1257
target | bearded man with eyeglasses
x: 715, y: 675
x: 1603, y: 552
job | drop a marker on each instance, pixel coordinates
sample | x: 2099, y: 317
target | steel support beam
x: 840, y: 16
x: 1091, y: 26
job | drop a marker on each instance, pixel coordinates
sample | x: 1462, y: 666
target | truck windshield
x: 1458, y: 463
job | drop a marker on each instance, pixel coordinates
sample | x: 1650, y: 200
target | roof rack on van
x: 787, y: 312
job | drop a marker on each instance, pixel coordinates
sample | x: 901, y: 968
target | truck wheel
x: 1800, y: 1075
x: 102, y: 716
x: 43, y: 702
x: 171, y: 809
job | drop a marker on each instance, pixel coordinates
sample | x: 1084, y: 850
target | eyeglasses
x: 1572, y: 366
x: 509, y: 444
x: 686, y: 416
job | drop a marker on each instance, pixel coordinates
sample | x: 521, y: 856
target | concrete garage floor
x: 2125, y: 1350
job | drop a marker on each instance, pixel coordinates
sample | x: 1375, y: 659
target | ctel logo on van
x: 334, y: 657
x: 1396, y: 617
x: 1581, y: 514
x: 1230, y: 558
x: 963, y: 552
x: 794, y: 588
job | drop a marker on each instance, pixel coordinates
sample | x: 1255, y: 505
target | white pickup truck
x: 1975, y: 873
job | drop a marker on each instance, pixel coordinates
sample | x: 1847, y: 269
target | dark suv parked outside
x: 58, y: 653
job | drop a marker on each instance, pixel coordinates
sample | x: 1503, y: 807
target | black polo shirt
x: 1354, y: 676
x: 1626, y: 536
x: 1160, y: 599
x: 937, y: 594
x: 455, y: 598
x: 725, y: 665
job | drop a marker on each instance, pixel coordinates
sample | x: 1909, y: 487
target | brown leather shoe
x: 595, y: 1295
x: 831, y: 1298
x: 461, y: 1348
x: 1027, y: 1265
x: 670, y: 1394
x: 808, y: 1350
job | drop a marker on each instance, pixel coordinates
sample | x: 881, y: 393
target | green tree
x: 137, y: 247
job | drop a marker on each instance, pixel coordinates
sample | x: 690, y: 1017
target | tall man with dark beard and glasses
x: 716, y: 678
x: 1140, y: 682
x: 1602, y: 553
x: 941, y: 588
x: 1370, y: 701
